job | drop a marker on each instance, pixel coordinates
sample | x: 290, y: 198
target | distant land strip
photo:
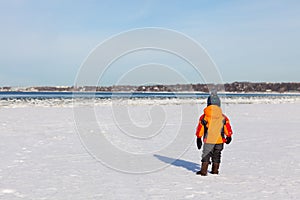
x: 246, y: 87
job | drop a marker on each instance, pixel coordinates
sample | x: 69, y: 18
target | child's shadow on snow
x: 191, y: 166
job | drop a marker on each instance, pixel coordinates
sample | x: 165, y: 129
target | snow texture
x: 42, y: 157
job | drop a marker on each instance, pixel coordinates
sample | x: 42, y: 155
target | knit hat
x: 213, y: 99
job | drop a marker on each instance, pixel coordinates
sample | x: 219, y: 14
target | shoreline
x: 222, y: 93
x: 235, y: 87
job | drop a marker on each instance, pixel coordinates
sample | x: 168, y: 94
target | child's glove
x: 199, y: 143
x: 228, y: 140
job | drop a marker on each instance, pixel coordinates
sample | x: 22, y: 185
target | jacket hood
x: 213, y: 111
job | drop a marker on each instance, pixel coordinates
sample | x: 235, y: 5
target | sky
x: 46, y: 42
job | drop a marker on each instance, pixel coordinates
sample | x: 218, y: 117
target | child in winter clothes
x: 215, y: 129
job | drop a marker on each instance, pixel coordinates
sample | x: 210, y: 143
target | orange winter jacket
x: 213, y: 126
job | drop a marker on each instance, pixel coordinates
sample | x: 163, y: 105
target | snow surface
x: 42, y: 156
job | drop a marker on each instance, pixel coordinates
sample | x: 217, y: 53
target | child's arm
x: 200, y: 127
x: 227, y: 130
x: 200, y: 131
x: 227, y: 127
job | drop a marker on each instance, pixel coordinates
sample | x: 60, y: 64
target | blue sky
x: 45, y: 42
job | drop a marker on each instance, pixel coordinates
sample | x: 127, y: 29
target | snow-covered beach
x: 141, y: 100
x: 42, y: 156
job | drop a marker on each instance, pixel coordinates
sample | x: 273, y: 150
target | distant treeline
x: 228, y: 87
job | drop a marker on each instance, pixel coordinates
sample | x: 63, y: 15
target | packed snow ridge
x: 68, y: 102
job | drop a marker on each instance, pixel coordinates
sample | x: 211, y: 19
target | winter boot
x: 215, y: 168
x: 203, y: 171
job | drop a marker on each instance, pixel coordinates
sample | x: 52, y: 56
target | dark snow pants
x: 212, y: 151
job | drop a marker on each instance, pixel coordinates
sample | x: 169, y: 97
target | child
x: 215, y: 129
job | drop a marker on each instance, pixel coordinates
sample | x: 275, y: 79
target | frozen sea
x: 52, y: 148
